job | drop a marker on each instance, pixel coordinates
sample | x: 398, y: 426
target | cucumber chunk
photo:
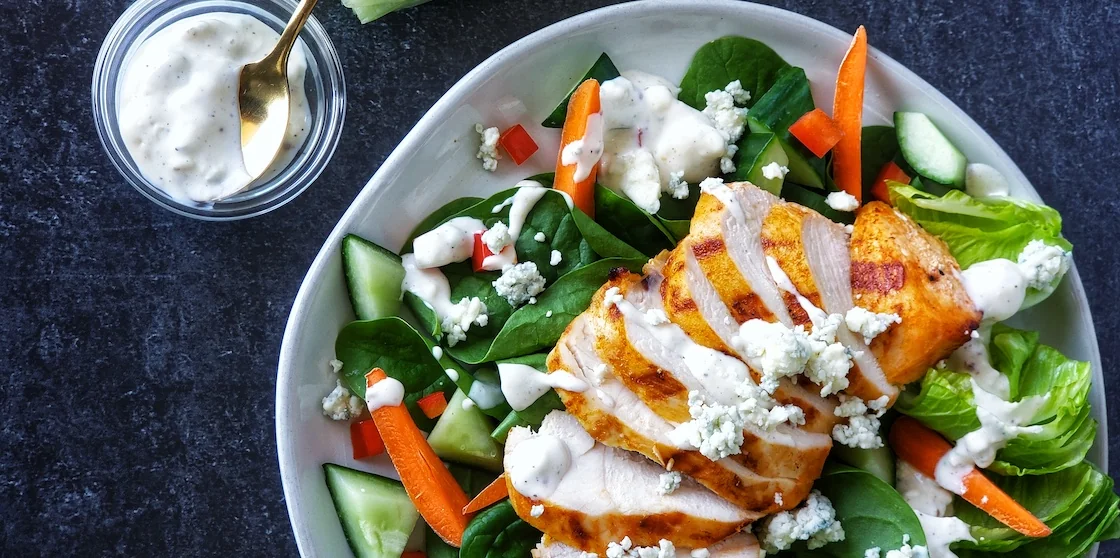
x: 602, y: 70
x: 878, y: 461
x: 373, y: 277
x: 928, y: 151
x: 376, y: 513
x: 463, y: 436
x: 786, y: 101
x: 756, y: 153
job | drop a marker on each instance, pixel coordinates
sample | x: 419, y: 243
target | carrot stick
x: 584, y: 103
x: 847, y: 111
x: 426, y: 479
x: 890, y: 172
x: 496, y: 492
x: 923, y: 448
x: 817, y: 132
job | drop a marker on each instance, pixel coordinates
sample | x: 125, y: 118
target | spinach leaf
x: 497, y: 532
x: 398, y: 349
x: 438, y: 217
x: 602, y: 70
x: 673, y: 209
x: 879, y: 146
x: 871, y: 511
x: 599, y: 238
x: 727, y: 59
x: 531, y: 328
x: 631, y: 224
x: 678, y: 228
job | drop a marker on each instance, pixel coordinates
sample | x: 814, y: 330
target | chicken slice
x: 827, y: 254
x: 606, y: 494
x: 897, y: 267
x: 782, y: 242
x: 725, y: 239
x: 692, y: 302
x: 660, y: 364
x: 739, y: 545
x: 614, y: 416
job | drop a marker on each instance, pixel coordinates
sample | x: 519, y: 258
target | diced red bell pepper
x: 365, y: 439
x: 433, y: 404
x: 817, y: 132
x: 518, y: 143
x: 481, y: 252
x: 892, y: 172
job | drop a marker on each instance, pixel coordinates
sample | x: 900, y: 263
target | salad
x: 730, y: 323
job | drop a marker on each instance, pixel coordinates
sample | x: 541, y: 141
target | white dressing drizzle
x: 537, y: 465
x: 485, y: 394
x: 448, y: 243
x: 430, y: 285
x: 529, y: 192
x: 585, y: 152
x: 387, y: 393
x: 816, y: 315
x: 933, y: 506
x: 522, y: 385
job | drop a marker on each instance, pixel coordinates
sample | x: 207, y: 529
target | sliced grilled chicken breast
x: 740, y: 545
x: 781, y: 241
x: 660, y: 364
x: 899, y: 267
x: 607, y: 494
x: 691, y: 301
x: 725, y: 239
x: 614, y: 416
x: 827, y: 253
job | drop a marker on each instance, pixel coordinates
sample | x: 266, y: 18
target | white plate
x: 436, y: 163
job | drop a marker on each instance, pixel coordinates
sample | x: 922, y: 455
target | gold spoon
x: 264, y: 100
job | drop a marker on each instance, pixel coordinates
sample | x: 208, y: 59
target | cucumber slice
x: 878, y: 461
x: 602, y: 70
x: 376, y: 513
x: 373, y: 277
x: 928, y: 151
x: 787, y: 100
x: 463, y: 436
x: 756, y: 153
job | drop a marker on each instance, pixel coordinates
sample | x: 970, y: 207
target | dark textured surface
x: 139, y: 348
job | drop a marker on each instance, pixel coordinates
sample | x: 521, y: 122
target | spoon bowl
x: 264, y: 98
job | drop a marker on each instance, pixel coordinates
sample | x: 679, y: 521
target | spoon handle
x: 288, y: 38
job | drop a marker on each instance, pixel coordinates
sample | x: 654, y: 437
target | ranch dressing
x: 178, y: 104
x: 386, y: 393
x: 529, y: 192
x: 522, y: 385
x: 650, y: 136
x: 538, y: 464
x: 448, y: 243
x: 430, y: 285
x: 934, y: 507
x: 585, y: 152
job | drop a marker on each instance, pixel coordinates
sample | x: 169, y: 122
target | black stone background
x: 139, y: 348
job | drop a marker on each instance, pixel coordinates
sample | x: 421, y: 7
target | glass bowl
x: 326, y: 96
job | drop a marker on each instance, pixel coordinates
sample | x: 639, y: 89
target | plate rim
x: 376, y: 186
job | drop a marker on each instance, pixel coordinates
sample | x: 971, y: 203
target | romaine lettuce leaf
x: 1077, y: 504
x: 944, y: 401
x: 981, y: 229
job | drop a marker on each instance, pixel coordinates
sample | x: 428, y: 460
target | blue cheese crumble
x: 814, y: 522
x: 497, y: 237
x: 519, y: 283
x: 626, y: 549
x: 1042, y: 264
x: 730, y: 120
x: 668, y: 482
x: 869, y: 324
x: 862, y: 429
x: 460, y: 317
x: 488, y: 149
x: 341, y: 405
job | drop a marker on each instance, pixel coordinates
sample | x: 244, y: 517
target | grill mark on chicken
x: 617, y: 272
x: 876, y: 277
x: 707, y: 247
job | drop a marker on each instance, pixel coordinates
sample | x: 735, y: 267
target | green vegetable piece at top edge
x: 788, y: 100
x: 373, y: 278
x: 371, y: 10
x: 462, y: 435
x: 725, y: 60
x: 376, y: 513
x: 927, y: 149
x: 602, y: 70
x: 757, y: 162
